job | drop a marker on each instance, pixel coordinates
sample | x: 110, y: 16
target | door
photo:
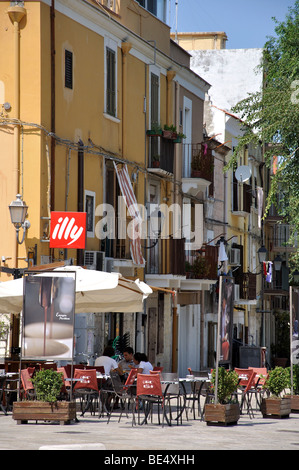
x: 189, y: 339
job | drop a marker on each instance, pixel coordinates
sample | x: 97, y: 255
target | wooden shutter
x: 68, y: 69
x: 110, y: 84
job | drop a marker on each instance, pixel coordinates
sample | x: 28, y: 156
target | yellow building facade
x: 81, y: 82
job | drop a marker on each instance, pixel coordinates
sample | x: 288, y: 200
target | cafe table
x: 8, y: 387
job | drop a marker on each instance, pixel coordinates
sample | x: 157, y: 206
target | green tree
x: 271, y: 116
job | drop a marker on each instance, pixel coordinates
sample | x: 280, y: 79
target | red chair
x: 86, y: 388
x: 149, y: 393
x: 27, y: 390
x: 246, y: 386
x: 130, y: 379
x: 159, y: 369
x: 259, y: 382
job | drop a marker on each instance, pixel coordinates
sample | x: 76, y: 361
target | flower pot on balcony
x: 61, y: 411
x: 276, y: 407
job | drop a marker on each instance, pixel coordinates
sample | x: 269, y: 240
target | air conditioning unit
x: 94, y: 260
x: 234, y: 256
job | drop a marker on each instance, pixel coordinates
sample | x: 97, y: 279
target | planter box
x: 276, y: 407
x: 62, y: 411
x: 222, y: 414
x: 294, y: 403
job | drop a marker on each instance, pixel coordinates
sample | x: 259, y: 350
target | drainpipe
x: 52, y: 48
x: 80, y: 202
x: 16, y: 14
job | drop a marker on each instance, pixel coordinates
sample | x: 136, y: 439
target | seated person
x: 107, y: 361
x: 128, y: 359
x: 142, y: 364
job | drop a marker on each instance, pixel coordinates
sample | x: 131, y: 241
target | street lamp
x: 18, y: 211
x: 277, y: 263
x: 262, y: 254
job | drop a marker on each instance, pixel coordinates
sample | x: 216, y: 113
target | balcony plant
x: 227, y: 411
x: 156, y: 161
x: 48, y: 384
x: 199, y: 268
x: 155, y: 130
x: 275, y: 405
x: 169, y: 132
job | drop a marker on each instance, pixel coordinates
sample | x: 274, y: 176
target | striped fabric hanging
x: 131, y: 203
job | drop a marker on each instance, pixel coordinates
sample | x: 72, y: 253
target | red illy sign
x: 68, y: 230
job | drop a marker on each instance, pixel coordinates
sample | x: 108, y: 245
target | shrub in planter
x: 295, y: 396
x: 276, y: 406
x: 47, y: 384
x: 227, y: 411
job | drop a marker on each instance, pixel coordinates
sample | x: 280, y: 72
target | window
x: 68, y: 69
x: 110, y: 82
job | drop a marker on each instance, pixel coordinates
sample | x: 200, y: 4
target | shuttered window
x: 154, y: 142
x: 110, y: 84
x: 68, y: 69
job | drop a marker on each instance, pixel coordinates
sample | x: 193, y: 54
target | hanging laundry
x: 269, y: 272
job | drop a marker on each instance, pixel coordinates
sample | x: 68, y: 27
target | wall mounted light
x: 262, y: 254
x: 18, y: 212
x: 277, y: 263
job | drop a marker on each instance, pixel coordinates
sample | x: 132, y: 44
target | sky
x: 247, y: 23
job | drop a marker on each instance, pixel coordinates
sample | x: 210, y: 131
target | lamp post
x: 262, y: 254
x: 18, y: 212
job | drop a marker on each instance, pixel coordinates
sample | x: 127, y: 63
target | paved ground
x: 249, y: 434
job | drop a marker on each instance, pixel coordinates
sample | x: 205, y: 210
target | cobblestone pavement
x: 249, y: 434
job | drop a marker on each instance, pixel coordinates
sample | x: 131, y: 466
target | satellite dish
x: 243, y: 173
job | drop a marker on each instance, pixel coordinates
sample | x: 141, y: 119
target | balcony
x: 161, y: 155
x: 245, y: 288
x: 198, y: 169
x: 242, y: 199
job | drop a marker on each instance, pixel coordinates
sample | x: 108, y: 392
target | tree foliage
x: 271, y: 117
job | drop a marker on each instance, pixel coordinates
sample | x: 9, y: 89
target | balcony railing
x: 161, y: 154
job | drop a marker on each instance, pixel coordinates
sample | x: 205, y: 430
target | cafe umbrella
x: 95, y: 291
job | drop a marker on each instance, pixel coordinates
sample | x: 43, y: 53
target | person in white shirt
x: 142, y: 364
x: 107, y: 361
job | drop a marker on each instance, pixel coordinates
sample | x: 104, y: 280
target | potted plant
x: 275, y: 405
x: 196, y: 165
x: 199, y: 267
x: 47, y: 384
x: 227, y: 411
x: 179, y: 138
x: 295, y: 396
x: 169, y: 132
x: 155, y: 130
x: 156, y: 161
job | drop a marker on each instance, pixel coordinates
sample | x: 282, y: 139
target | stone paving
x: 90, y: 432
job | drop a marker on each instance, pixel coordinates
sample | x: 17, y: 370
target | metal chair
x: 199, y: 388
x: 246, y: 384
x: 86, y: 388
x: 174, y: 391
x: 27, y: 391
x: 149, y: 393
x: 121, y: 393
